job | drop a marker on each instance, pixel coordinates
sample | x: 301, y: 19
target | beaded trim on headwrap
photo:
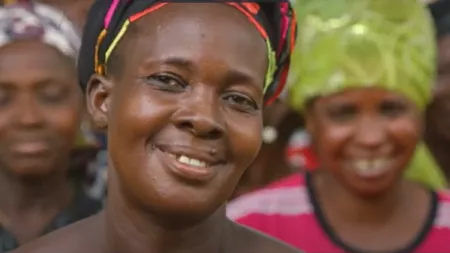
x: 30, y: 20
x: 120, y: 14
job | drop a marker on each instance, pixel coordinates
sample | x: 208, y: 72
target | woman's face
x: 183, y: 112
x: 40, y: 106
x: 365, y: 137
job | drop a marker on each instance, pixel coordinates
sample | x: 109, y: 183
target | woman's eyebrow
x: 175, y: 61
x: 237, y: 76
x: 232, y: 76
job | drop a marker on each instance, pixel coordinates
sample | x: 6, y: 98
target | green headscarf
x: 346, y: 44
x: 423, y: 169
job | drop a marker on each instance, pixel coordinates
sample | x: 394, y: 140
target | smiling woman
x: 180, y: 98
x: 40, y: 111
x: 365, y: 69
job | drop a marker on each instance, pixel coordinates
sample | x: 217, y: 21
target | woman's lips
x: 30, y: 148
x: 370, y: 168
x: 187, y: 167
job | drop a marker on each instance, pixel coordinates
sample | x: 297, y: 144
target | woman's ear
x: 98, y: 95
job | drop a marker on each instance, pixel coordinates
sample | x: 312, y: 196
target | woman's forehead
x: 183, y: 19
x: 35, y: 60
x: 229, y: 40
x: 28, y: 51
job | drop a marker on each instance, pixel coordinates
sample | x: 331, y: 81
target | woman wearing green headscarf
x: 365, y: 70
x: 359, y: 66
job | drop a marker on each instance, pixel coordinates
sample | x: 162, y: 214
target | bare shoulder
x: 82, y: 236
x: 249, y: 240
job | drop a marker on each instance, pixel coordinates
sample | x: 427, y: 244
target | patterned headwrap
x: 108, y: 21
x: 30, y: 20
x: 363, y: 43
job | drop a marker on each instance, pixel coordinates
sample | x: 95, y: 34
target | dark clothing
x: 440, y: 10
x: 81, y: 207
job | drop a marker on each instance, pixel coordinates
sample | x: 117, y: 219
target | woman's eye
x: 54, y: 96
x: 167, y: 82
x: 393, y: 109
x: 241, y: 103
x: 342, y: 114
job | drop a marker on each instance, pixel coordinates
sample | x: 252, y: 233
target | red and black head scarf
x: 108, y: 21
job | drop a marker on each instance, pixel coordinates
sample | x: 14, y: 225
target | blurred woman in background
x: 366, y: 68
x: 40, y: 112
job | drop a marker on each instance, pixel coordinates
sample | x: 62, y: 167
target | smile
x: 189, y: 161
x: 187, y: 164
x: 30, y: 148
x: 370, y: 168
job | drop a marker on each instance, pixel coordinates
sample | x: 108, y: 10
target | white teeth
x: 171, y: 155
x: 362, y: 165
x: 378, y: 163
x: 184, y: 159
x: 371, y: 167
x: 191, y: 161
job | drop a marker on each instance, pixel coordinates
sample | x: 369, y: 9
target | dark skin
x: 372, y: 213
x: 40, y: 105
x: 437, y: 135
x: 194, y: 91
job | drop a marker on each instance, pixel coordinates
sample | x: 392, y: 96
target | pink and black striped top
x: 288, y: 211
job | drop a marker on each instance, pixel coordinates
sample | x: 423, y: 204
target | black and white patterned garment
x: 33, y: 20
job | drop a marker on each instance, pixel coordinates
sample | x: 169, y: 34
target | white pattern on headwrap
x: 35, y: 20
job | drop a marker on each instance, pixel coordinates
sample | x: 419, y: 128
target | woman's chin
x: 176, y: 205
x: 374, y: 190
x: 370, y: 185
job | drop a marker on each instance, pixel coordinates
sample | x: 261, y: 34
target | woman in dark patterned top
x: 40, y: 112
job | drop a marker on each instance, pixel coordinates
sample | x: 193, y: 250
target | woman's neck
x: 19, y: 195
x: 338, y: 203
x: 131, y: 230
x: 27, y: 205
